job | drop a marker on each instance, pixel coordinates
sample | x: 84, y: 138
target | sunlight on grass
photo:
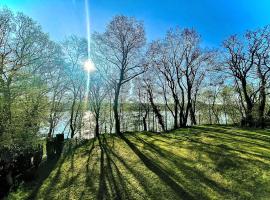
x: 199, y: 163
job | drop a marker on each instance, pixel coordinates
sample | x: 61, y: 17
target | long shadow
x: 144, y: 182
x: 224, y: 150
x: 259, y: 135
x: 89, y: 152
x: 102, y: 184
x: 177, y: 160
x: 161, y: 173
x: 224, y: 158
x: 88, y: 180
x: 44, y: 171
x: 110, y: 173
x: 70, y: 177
x: 232, y: 141
x: 227, y: 134
x: 65, y: 155
x: 107, y: 169
x: 55, y: 178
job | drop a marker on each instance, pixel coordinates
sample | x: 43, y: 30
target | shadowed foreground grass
x: 196, y: 163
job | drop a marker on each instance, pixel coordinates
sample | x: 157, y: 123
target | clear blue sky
x: 214, y: 19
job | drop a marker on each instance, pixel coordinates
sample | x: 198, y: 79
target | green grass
x: 197, y: 163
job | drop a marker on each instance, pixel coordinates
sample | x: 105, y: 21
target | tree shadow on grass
x: 257, y: 134
x: 230, y: 135
x: 71, y: 177
x: 111, y: 182
x: 238, y: 165
x: 231, y: 161
x: 161, y: 173
x: 89, y: 180
x: 44, y: 171
x: 188, y: 172
x: 102, y: 191
x: 110, y: 174
x: 230, y: 139
x: 143, y: 181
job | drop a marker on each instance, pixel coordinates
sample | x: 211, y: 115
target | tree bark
x: 97, y: 126
x: 115, y: 109
x: 188, y: 108
x: 71, y: 125
x: 192, y: 116
x: 249, y: 117
x: 262, y: 104
x: 144, y: 121
x: 176, y: 103
x: 156, y: 110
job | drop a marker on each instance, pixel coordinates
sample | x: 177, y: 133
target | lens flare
x: 87, y: 26
x: 89, y: 66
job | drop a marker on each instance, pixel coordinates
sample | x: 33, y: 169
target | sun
x: 89, y: 66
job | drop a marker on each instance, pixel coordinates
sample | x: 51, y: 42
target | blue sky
x: 213, y: 19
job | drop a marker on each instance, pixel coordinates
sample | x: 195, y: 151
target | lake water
x: 63, y: 127
x: 130, y: 122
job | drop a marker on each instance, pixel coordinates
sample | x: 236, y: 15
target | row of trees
x: 167, y: 84
x: 176, y: 76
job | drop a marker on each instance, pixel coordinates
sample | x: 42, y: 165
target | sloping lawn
x: 197, y: 163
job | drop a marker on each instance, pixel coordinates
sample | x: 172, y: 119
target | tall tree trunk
x: 226, y: 117
x: 144, y: 121
x: 153, y: 121
x: 181, y: 116
x: 51, y: 128
x: 166, y: 118
x: 156, y: 110
x: 175, y: 126
x: 182, y: 104
x: 189, y: 105
x: 192, y: 116
x: 262, y: 96
x: 209, y: 113
x: 111, y: 119
x: 71, y: 121
x: 262, y: 103
x: 97, y: 126
x: 115, y: 109
x: 249, y: 107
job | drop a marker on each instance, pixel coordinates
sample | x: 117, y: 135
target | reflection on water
x: 86, y: 132
x: 130, y: 121
x: 88, y: 126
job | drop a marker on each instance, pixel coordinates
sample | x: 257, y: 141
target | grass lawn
x: 198, y: 163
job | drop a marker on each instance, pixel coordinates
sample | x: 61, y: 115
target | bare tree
x: 260, y: 39
x: 75, y: 51
x: 182, y: 63
x: 120, y: 45
x: 98, y: 91
x: 56, y: 81
x: 240, y: 62
x: 149, y: 85
x: 160, y: 57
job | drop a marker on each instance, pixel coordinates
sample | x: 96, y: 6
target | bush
x: 17, y: 164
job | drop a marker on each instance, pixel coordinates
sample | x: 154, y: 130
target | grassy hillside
x: 197, y: 163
